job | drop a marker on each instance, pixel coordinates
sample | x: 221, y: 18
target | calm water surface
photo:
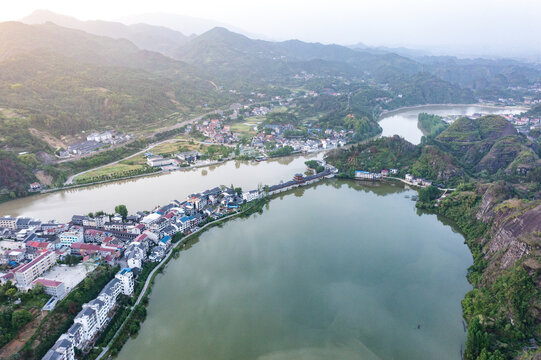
x: 147, y: 192
x: 404, y: 122
x: 343, y: 272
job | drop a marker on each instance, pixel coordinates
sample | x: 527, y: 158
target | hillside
x: 222, y: 50
x: 146, y: 37
x: 67, y: 80
x: 488, y: 144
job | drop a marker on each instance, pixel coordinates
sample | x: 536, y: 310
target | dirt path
x: 24, y: 335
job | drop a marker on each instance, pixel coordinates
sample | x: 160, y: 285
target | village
x: 35, y: 253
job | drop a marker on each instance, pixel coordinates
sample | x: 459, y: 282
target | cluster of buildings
x: 94, y: 142
x: 276, y: 135
x: 374, y: 176
x: 217, y: 132
x: 93, y: 318
x: 367, y: 175
x: 182, y: 159
x: 417, y: 181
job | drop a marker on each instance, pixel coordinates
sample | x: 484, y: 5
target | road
x: 412, y: 184
x: 149, y: 278
x: 176, y: 126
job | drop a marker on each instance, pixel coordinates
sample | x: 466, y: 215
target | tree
x: 122, y: 210
x: 238, y: 190
x: 20, y: 318
x: 429, y: 194
x: 11, y: 292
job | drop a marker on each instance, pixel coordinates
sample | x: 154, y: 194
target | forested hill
x: 66, y: 80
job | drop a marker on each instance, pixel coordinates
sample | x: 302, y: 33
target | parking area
x: 70, y: 276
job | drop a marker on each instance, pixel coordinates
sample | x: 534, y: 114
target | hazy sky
x: 486, y: 25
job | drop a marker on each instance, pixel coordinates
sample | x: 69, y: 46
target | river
x: 404, y: 122
x: 346, y: 271
x: 145, y: 193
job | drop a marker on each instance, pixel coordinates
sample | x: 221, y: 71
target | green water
x: 335, y: 271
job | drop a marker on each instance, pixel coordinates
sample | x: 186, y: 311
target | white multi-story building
x: 250, y: 195
x: 92, y: 318
x: 126, y: 278
x: 69, y: 237
x: 8, y: 222
x: 61, y: 350
x: 156, y: 161
x: 52, y: 287
x: 27, y: 273
x: 89, y: 323
x: 101, y: 311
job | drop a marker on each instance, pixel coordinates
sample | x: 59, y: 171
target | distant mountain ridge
x: 147, y: 37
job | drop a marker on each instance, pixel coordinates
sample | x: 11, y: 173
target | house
x: 78, y: 219
x: 394, y: 171
x: 250, y: 195
x: 63, y: 349
x: 365, y: 175
x: 189, y: 156
x: 186, y: 223
x: 88, y: 320
x: 385, y: 172
x: 88, y: 221
x: 34, y: 248
x: 169, y: 230
x: 67, y: 238
x: 126, y: 279
x: 135, y: 254
x: 165, y: 241
x: 158, y: 161
x: 409, y: 177
x: 94, y: 236
x: 157, y: 254
x: 35, y: 186
x: 84, y: 249
x: 8, y: 222
x: 115, y: 226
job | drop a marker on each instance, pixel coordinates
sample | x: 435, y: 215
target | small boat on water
x: 261, y: 158
x: 414, y: 198
x: 407, y: 196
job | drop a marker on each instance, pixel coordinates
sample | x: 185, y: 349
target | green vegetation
x: 429, y: 194
x: 122, y: 210
x: 61, y: 318
x: 14, y: 316
x: 431, y: 125
x: 15, y: 176
x: 383, y: 153
x: 313, y: 164
x: 283, y: 151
